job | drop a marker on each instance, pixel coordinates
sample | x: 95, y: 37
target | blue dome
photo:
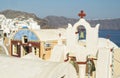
x: 24, y: 27
x: 25, y: 32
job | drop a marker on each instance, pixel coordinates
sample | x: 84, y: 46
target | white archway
x: 86, y: 25
x: 91, y: 33
x: 81, y: 22
x: 81, y: 32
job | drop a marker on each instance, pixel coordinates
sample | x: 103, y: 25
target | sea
x: 113, y: 35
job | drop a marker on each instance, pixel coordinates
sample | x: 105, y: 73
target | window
x: 36, y: 51
x: 0, y: 35
x: 47, y: 46
x: 5, y: 34
x: 25, y: 39
x: 15, y: 50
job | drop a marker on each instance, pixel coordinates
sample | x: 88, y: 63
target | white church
x: 69, y: 56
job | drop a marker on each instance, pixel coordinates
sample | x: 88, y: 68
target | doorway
x: 25, y: 50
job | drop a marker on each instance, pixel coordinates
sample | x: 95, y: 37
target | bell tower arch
x: 91, y: 33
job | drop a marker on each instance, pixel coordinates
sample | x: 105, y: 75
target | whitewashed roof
x: 50, y: 34
x: 27, y: 68
x: 40, y: 34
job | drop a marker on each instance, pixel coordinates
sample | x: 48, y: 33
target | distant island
x: 62, y: 22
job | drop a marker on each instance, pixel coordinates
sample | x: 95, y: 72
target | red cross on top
x: 82, y: 14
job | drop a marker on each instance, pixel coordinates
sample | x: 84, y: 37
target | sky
x: 94, y: 9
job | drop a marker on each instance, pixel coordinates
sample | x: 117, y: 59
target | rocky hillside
x: 58, y: 22
x: 106, y: 24
x: 13, y: 14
